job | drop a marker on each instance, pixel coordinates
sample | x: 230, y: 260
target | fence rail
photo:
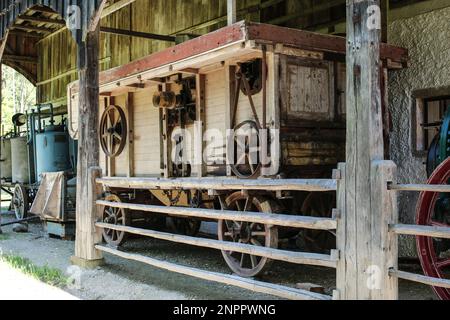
x: 221, y: 184
x: 249, y: 284
x: 305, y: 258
x: 420, y: 187
x: 435, y: 282
x: 416, y: 230
x: 263, y: 218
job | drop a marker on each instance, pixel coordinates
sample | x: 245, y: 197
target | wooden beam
x: 304, y: 258
x: 31, y: 28
x: 231, y: 12
x: 42, y: 20
x: 245, y: 283
x: 115, y: 7
x: 17, y: 58
x: 434, y: 282
x: 365, y: 242
x: 137, y: 34
x: 284, y: 220
x: 88, y: 152
x: 424, y: 231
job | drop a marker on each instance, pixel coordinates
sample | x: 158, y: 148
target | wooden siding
x: 57, y: 53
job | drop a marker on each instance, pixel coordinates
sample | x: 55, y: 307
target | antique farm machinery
x: 251, y: 101
x: 38, y: 148
x: 433, y: 209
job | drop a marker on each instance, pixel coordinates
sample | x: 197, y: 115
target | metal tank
x: 5, y: 160
x: 52, y: 151
x: 20, y: 162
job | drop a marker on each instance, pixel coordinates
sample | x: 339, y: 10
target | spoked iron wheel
x: 116, y: 216
x: 113, y: 131
x: 246, y: 162
x: 319, y: 204
x: 433, y: 209
x: 242, y: 264
x: 20, y: 202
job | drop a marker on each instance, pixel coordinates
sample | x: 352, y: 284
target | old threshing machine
x: 433, y: 209
x: 249, y: 101
x: 37, y: 169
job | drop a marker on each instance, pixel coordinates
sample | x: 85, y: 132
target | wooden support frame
x: 200, y: 145
x: 367, y: 207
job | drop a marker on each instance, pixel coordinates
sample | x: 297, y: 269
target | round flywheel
x: 433, y: 209
x: 113, y: 131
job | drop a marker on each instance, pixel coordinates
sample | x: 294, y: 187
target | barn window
x: 429, y: 113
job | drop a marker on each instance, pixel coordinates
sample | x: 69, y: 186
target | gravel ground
x: 131, y: 280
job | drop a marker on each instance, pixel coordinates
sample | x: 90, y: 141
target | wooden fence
x: 385, y: 231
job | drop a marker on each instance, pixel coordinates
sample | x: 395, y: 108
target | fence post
x: 365, y: 275
x: 384, y: 243
x: 87, y: 234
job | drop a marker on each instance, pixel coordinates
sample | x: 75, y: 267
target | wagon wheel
x: 116, y: 216
x: 433, y: 209
x: 319, y: 204
x: 246, y: 143
x: 113, y: 131
x: 242, y: 264
x: 20, y: 202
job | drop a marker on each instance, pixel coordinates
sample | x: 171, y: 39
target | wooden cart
x: 196, y: 110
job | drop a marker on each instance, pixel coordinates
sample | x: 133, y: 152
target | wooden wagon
x: 249, y: 101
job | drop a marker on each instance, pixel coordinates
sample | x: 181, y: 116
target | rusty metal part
x: 116, y: 216
x: 242, y: 264
x: 165, y: 99
x: 113, y: 131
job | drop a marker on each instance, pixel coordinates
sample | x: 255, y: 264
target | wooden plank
x: 231, y: 12
x: 114, y: 7
x: 425, y: 231
x: 384, y: 244
x: 249, y: 284
x: 88, y: 151
x: 313, y: 223
x: 435, y: 282
x: 420, y: 187
x: 130, y: 125
x: 137, y: 34
x: 369, y: 206
x: 305, y: 258
x: 225, y: 184
x: 200, y: 125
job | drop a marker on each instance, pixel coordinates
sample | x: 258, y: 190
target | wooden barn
x: 264, y: 120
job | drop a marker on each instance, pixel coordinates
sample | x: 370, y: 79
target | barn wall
x: 57, y: 53
x: 427, y: 38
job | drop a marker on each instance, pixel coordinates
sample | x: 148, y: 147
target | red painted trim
x: 262, y: 33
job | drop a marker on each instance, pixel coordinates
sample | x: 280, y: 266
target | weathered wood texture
x: 305, y: 258
x: 253, y: 285
x: 166, y: 17
x: 88, y: 150
x: 313, y: 223
x: 369, y: 207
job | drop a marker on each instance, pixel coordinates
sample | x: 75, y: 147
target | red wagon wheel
x: 242, y: 264
x: 113, y: 131
x: 433, y: 209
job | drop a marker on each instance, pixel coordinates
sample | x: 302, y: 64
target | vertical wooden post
x: 231, y: 12
x: 230, y: 92
x: 362, y: 228
x: 88, y: 153
x: 200, y: 126
x: 384, y: 5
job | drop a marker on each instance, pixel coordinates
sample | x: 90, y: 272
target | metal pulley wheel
x: 113, y: 131
x: 20, y: 202
x: 246, y: 143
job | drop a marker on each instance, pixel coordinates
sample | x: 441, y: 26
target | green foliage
x: 18, y: 94
x: 46, y: 274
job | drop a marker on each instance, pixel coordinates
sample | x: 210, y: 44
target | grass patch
x: 46, y: 274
